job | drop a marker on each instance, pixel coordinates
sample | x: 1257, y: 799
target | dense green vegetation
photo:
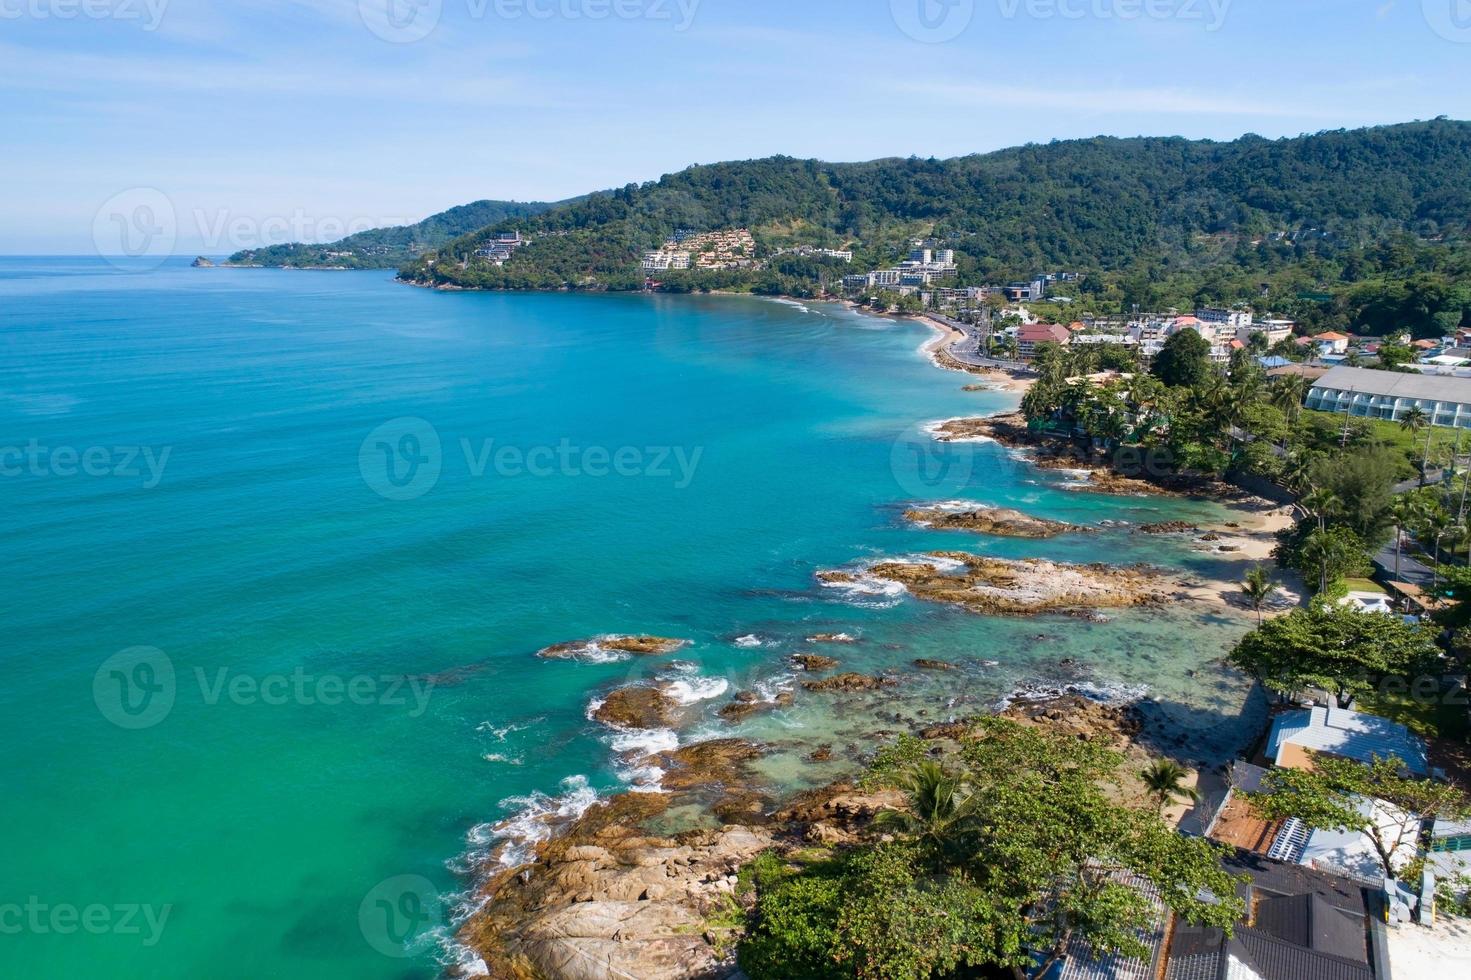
x: 389, y: 248
x: 1362, y: 229
x: 1003, y: 855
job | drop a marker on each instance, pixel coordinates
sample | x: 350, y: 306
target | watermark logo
x: 1451, y: 19
x: 401, y: 459
x: 933, y: 21
x: 136, y: 229
x: 401, y: 21
x: 142, y: 463
x: 927, y: 468
x: 147, y: 12
x: 138, y: 687
x: 135, y: 688
x: 42, y: 918
x: 1211, y: 12
x: 399, y: 914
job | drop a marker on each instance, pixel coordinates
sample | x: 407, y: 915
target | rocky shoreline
x: 611, y: 895
x: 628, y: 888
x: 1129, y: 472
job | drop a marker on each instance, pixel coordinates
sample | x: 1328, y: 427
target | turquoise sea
x: 283, y: 546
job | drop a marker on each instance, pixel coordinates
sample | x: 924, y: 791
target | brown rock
x: 814, y: 661
x: 637, y: 707
x: 644, y: 646
x: 999, y: 521
x: 955, y: 730
x: 847, y: 682
x: 924, y: 664
x: 1168, y: 527
x: 832, y: 638
x: 1008, y: 587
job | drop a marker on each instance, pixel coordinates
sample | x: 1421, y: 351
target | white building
x: 662, y: 261
x: 1389, y: 395
x: 1231, y: 320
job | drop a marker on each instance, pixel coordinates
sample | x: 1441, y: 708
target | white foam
x: 696, y: 690
x: 509, y: 760
x: 749, y: 640
x: 536, y: 818
x: 645, y: 741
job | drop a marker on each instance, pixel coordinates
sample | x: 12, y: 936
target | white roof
x: 1351, y: 734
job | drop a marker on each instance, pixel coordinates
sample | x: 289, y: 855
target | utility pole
x: 1343, y: 442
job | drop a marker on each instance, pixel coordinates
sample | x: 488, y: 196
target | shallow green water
x: 292, y: 550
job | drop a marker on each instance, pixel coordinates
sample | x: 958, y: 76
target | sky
x: 234, y: 123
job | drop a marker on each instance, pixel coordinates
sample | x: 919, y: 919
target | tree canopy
x: 1334, y: 648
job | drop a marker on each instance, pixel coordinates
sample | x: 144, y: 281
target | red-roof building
x: 1028, y: 336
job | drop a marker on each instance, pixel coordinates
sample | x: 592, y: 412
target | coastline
x: 575, y: 890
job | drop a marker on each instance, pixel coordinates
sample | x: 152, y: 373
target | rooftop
x: 1396, y: 384
x: 1350, y: 734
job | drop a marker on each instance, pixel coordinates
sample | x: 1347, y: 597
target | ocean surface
x: 283, y: 547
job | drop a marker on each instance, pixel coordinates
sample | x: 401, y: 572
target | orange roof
x: 1186, y: 321
x: 1426, y: 344
x: 1330, y: 335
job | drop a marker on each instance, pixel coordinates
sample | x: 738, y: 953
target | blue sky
x: 279, y: 119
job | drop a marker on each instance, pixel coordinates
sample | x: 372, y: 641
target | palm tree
x: 1297, y: 470
x: 1258, y: 588
x: 1321, y: 503
x: 1288, y: 393
x: 1165, y: 781
x: 1415, y: 419
x: 1405, y: 511
x: 940, y: 807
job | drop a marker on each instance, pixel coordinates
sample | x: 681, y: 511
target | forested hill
x: 389, y: 248
x: 1096, y: 204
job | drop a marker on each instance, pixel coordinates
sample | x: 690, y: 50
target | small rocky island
x: 999, y: 521
x: 1000, y: 586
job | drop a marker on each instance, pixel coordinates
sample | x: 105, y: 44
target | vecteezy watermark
x: 398, y: 914
x: 933, y: 21
x: 1212, y: 13
x: 148, y: 13
x: 144, y: 463
x: 407, y: 21
x: 139, y: 228
x: 403, y: 458
x: 138, y: 687
x: 1451, y: 19
x: 135, y: 688
x: 43, y: 918
x: 928, y: 468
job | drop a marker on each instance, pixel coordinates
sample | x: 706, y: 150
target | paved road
x: 1411, y: 570
x: 967, y: 350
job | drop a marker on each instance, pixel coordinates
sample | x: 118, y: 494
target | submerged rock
x: 848, y: 682
x: 924, y: 663
x: 832, y: 638
x: 1168, y: 527
x: 1000, y: 521
x: 747, y: 703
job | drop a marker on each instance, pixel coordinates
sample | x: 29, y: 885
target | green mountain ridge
x: 389, y: 248
x: 1149, y: 206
